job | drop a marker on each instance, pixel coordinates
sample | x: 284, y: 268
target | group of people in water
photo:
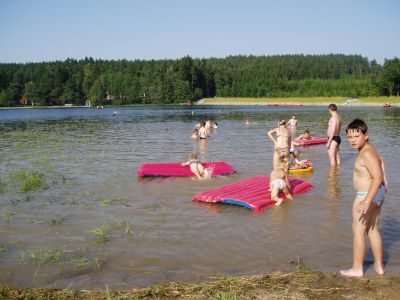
x: 369, y: 177
x: 201, y: 131
x: 369, y: 180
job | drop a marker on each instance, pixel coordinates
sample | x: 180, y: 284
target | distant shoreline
x: 299, y: 102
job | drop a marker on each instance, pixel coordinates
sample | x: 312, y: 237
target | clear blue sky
x: 48, y: 30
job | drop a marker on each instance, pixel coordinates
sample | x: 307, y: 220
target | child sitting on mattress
x: 279, y: 180
x: 197, y: 167
x: 298, y: 163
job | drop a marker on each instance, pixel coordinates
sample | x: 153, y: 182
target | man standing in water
x: 333, y: 133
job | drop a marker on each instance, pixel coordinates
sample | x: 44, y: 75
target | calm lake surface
x: 92, y: 222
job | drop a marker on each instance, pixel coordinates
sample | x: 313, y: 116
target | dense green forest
x: 174, y: 81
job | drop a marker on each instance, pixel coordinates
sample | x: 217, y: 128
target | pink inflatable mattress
x: 174, y: 169
x: 312, y: 141
x: 251, y: 193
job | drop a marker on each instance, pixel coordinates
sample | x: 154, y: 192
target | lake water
x: 97, y: 224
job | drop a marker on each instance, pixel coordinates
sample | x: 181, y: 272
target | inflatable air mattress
x: 174, y: 169
x: 312, y: 141
x: 251, y: 193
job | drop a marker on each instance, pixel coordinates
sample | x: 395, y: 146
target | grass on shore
x: 300, y: 100
x: 303, y: 284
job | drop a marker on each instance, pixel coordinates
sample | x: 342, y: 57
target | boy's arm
x: 383, y: 171
x: 185, y: 163
x: 373, y: 165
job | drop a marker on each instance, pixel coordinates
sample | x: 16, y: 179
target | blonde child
x: 279, y: 180
x: 197, y: 167
x: 370, y: 183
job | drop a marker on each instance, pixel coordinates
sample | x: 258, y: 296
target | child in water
x: 279, y: 180
x: 298, y: 163
x: 197, y: 167
x: 299, y: 141
x: 195, y: 133
x: 305, y: 136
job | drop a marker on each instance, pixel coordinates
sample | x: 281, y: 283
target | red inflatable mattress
x: 312, y: 141
x: 251, y: 193
x: 174, y: 169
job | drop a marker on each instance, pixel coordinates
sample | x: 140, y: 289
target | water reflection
x: 333, y: 179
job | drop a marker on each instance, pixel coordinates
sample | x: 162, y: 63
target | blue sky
x: 48, y: 30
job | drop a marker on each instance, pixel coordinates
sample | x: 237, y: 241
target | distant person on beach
x: 282, y: 141
x: 333, y: 133
x: 197, y: 167
x: 202, y: 131
x: 370, y: 183
x: 195, y: 133
x: 279, y: 180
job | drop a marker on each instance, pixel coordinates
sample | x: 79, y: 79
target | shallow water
x: 98, y: 224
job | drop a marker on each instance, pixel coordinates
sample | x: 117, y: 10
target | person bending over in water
x: 279, y: 181
x: 197, y: 167
x: 370, y: 183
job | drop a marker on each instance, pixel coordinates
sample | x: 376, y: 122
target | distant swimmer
x: 195, y: 133
x: 115, y: 113
x: 202, y: 131
x: 292, y: 126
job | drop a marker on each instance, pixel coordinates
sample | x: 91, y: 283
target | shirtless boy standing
x: 333, y: 133
x: 370, y: 183
x: 282, y: 142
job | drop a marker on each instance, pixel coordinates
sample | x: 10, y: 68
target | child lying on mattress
x: 279, y: 180
x: 197, y: 167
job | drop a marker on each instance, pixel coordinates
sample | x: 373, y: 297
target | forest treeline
x: 174, y: 81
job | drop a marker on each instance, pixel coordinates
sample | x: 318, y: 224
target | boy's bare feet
x: 352, y: 273
x: 290, y: 197
x: 379, y: 269
x: 279, y: 202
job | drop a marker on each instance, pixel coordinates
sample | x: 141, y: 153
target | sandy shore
x: 302, y: 284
